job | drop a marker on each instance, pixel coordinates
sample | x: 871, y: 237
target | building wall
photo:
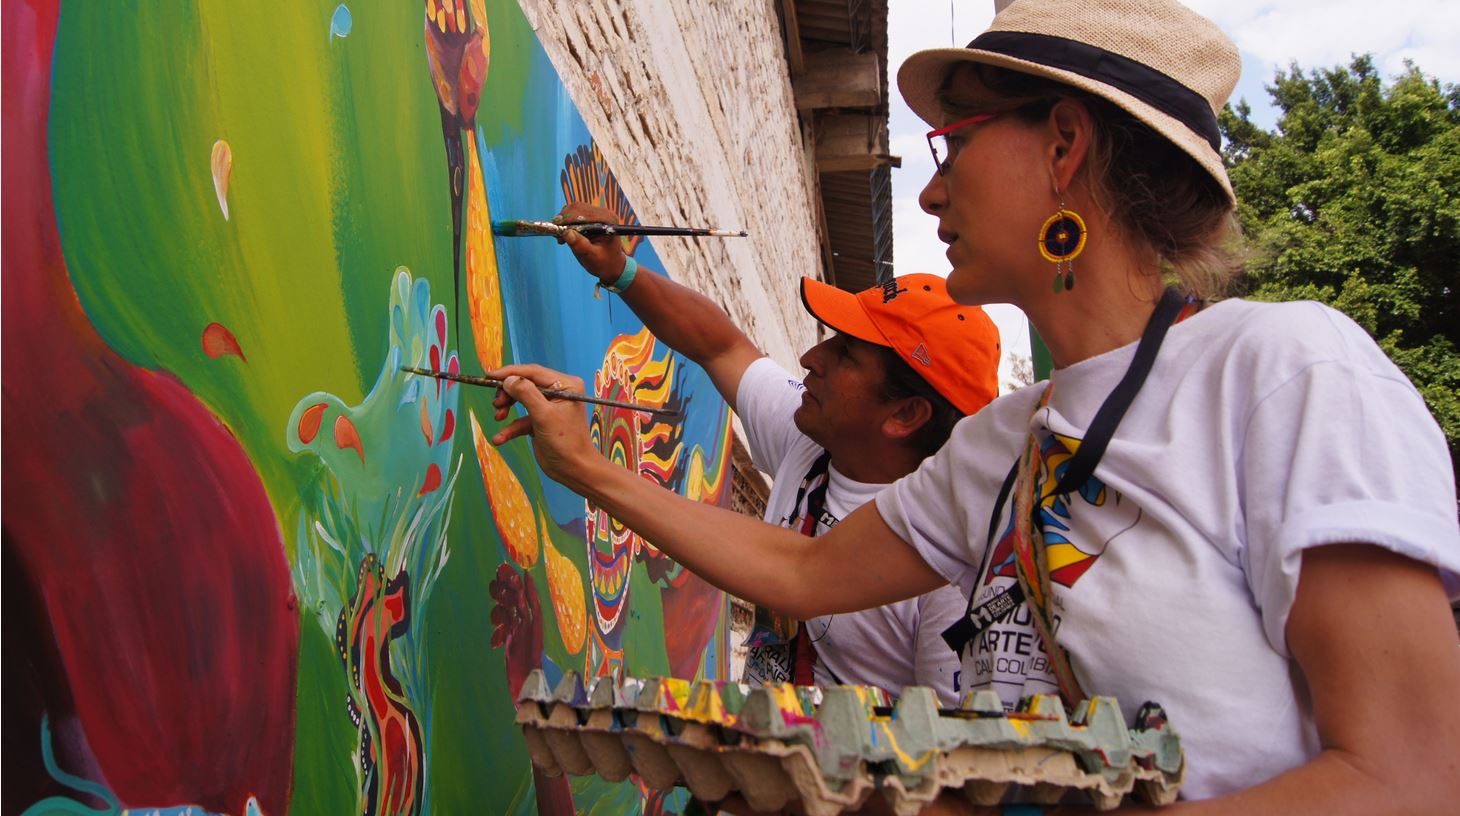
x: 692, y: 102
x: 250, y: 564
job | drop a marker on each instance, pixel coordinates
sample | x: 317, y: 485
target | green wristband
x: 625, y: 278
x: 1022, y: 810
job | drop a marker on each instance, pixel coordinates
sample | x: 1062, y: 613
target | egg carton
x: 831, y: 749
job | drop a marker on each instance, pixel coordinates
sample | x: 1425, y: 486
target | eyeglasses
x: 943, y: 138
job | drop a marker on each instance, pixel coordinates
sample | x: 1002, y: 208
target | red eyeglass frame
x: 941, y: 165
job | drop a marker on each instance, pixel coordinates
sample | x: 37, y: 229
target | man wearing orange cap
x: 906, y: 363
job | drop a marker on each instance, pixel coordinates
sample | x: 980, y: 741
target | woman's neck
x: 1108, y: 308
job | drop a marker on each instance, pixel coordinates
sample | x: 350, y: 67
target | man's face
x: 843, y: 402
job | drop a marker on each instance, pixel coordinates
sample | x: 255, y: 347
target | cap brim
x: 840, y: 310
x: 921, y: 76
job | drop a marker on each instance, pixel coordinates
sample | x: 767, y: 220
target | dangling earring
x: 1061, y: 240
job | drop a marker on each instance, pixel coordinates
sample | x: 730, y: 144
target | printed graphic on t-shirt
x: 1006, y: 652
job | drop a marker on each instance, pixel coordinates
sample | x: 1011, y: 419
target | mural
x: 251, y: 565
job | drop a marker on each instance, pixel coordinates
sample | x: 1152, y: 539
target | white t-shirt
x: 1263, y: 430
x: 890, y: 646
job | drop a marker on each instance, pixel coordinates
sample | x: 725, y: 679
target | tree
x: 1355, y: 201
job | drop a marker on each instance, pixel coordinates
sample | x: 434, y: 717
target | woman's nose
x: 934, y: 196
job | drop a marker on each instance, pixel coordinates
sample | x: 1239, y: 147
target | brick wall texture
x: 690, y: 102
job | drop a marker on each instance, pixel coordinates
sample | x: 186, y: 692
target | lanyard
x: 1031, y: 560
x: 813, y: 490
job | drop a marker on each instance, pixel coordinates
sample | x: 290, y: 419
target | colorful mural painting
x: 251, y: 565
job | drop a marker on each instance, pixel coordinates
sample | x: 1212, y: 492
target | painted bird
x: 457, y: 50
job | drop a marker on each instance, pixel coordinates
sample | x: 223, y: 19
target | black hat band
x: 1141, y: 81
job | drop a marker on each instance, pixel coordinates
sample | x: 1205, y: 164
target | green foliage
x: 1355, y: 201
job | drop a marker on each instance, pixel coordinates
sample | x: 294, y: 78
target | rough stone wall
x: 690, y: 102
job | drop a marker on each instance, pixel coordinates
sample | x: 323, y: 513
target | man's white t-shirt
x: 890, y: 646
x: 1263, y: 430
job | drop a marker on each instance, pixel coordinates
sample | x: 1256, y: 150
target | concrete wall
x: 691, y: 103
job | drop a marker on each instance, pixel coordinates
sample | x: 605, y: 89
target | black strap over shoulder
x: 1081, y: 466
x: 1107, y: 419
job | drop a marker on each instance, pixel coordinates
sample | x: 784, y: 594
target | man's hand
x: 603, y: 256
x: 559, y: 428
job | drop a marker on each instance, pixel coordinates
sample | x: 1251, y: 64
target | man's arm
x: 684, y: 319
x: 860, y: 564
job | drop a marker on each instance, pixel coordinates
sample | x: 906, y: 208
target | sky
x: 1270, y: 35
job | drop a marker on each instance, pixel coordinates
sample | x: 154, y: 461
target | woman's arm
x: 859, y: 564
x: 1373, y: 636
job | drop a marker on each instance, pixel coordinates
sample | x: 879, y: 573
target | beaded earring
x: 1061, y: 240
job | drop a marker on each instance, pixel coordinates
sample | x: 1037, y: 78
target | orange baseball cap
x: 954, y: 347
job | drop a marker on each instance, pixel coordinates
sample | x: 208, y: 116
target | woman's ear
x: 1069, y: 131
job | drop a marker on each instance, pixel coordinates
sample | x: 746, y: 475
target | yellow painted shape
x: 565, y: 585
x: 511, y: 510
x: 707, y: 705
x: 483, y: 288
x: 1062, y: 555
x: 907, y: 760
x: 675, y: 694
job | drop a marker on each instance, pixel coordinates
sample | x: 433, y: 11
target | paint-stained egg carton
x: 831, y: 749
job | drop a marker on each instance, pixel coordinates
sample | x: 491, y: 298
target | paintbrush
x: 489, y: 382
x: 518, y: 229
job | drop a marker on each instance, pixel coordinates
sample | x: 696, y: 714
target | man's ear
x: 1069, y: 130
x: 911, y: 414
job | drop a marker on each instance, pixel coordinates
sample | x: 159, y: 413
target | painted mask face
x: 643, y: 445
x: 843, y: 402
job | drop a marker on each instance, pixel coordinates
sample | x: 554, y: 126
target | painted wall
x: 251, y: 565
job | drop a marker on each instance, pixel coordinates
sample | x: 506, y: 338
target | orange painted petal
x: 218, y: 341
x: 565, y: 585
x: 347, y: 437
x: 511, y: 509
x: 483, y: 287
x: 425, y: 422
x: 309, y: 422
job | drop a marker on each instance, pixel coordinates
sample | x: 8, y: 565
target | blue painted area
x: 552, y: 316
x: 341, y: 22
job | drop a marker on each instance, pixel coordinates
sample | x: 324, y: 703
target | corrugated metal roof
x: 856, y: 204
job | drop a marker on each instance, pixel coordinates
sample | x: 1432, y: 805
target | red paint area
x: 433, y: 479
x: 691, y: 614
x: 448, y: 426
x: 136, y: 517
x: 218, y: 341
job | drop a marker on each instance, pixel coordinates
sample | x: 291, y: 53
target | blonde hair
x: 1153, y: 192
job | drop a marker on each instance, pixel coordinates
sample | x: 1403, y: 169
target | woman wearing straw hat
x: 1242, y: 511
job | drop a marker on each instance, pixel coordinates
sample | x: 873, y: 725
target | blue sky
x: 1271, y: 35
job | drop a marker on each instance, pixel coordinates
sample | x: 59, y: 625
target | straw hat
x: 1168, y: 66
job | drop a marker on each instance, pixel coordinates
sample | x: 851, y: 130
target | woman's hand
x: 602, y: 256
x: 559, y: 428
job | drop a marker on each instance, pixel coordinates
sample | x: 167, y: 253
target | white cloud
x: 1325, y: 33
